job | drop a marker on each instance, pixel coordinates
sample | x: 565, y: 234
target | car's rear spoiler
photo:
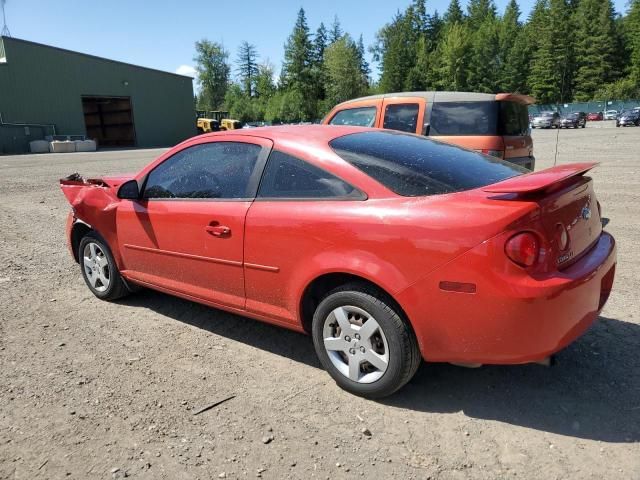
x: 538, y: 181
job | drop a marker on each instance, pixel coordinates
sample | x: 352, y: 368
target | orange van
x: 496, y: 125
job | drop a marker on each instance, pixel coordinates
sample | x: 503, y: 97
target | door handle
x: 218, y: 230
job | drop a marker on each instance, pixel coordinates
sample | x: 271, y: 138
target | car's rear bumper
x: 509, y: 319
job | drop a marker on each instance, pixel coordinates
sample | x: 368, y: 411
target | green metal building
x: 46, y: 90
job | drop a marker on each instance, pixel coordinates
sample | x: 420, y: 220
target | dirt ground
x: 90, y: 389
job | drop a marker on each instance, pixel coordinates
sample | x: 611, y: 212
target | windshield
x: 414, y: 166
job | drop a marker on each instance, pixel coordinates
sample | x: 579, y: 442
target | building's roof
x: 9, y: 40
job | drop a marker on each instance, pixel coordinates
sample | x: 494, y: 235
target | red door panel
x: 194, y: 247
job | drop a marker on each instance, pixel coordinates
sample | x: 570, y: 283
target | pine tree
x: 365, y: 70
x: 265, y: 87
x: 320, y: 43
x: 213, y: 72
x: 344, y: 78
x: 247, y: 67
x: 421, y: 18
x: 434, y: 28
x: 595, y: 47
x: 454, y: 55
x: 454, y: 13
x: 395, y: 52
x: 552, y: 65
x: 336, y: 32
x: 513, y: 55
x: 484, y: 63
x: 297, y: 66
x: 479, y: 11
x: 632, y: 28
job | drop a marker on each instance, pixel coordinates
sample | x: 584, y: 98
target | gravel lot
x: 96, y: 390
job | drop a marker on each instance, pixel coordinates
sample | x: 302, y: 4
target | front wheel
x: 362, y: 341
x: 99, y: 269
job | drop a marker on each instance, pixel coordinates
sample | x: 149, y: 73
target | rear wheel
x: 99, y: 269
x: 363, y: 343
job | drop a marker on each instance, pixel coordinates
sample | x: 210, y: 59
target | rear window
x: 415, y: 166
x: 357, y: 117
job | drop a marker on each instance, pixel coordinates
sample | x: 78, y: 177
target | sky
x: 161, y: 34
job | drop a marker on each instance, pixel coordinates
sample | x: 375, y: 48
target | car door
x: 186, y: 233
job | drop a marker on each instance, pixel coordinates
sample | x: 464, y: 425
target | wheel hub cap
x: 96, y: 267
x: 355, y: 344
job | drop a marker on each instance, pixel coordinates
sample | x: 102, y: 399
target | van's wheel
x: 99, y: 269
x: 363, y: 342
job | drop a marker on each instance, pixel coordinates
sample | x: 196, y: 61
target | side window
x: 402, y: 117
x: 289, y: 177
x: 210, y: 170
x: 356, y: 117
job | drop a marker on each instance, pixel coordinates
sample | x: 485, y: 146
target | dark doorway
x: 109, y: 121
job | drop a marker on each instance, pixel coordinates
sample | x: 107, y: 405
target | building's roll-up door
x: 109, y: 121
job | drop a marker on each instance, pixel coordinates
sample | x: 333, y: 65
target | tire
x: 99, y: 269
x: 390, y: 343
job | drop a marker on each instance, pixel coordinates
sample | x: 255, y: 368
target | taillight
x: 523, y: 249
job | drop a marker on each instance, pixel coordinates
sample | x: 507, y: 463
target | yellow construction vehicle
x: 214, y: 121
x: 229, y: 124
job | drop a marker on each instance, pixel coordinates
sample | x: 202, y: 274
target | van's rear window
x: 414, y: 166
x: 479, y: 118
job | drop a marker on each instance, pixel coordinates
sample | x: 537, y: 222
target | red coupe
x: 388, y: 248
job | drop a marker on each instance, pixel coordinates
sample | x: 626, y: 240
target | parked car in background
x: 387, y: 248
x: 496, y: 125
x: 629, y: 118
x: 610, y: 114
x: 546, y: 120
x: 594, y: 116
x: 574, y: 120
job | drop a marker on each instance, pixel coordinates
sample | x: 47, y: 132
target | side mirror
x: 426, y: 128
x: 129, y: 190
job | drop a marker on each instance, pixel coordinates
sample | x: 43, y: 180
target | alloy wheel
x: 96, y: 267
x: 355, y: 344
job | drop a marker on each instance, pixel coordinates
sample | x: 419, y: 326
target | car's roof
x: 443, y: 96
x: 310, y: 134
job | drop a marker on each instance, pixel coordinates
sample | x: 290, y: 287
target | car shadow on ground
x: 593, y: 391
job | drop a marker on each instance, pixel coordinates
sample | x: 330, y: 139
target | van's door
x: 405, y: 114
